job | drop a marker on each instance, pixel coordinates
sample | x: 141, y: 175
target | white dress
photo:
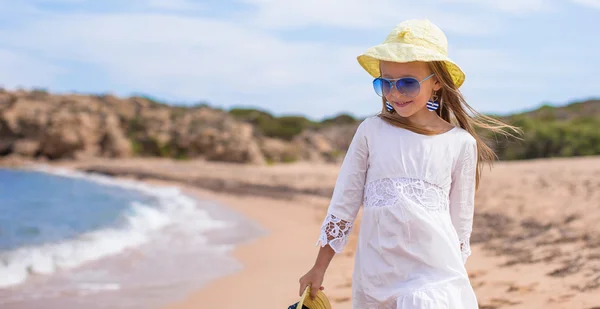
x: 418, y: 196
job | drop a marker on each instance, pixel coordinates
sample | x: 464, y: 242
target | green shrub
x: 339, y: 120
x: 547, y: 139
x: 285, y: 127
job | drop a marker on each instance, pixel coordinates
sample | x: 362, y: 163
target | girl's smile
x: 402, y: 104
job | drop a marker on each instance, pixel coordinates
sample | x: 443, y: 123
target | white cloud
x: 511, y: 6
x: 590, y: 3
x: 193, y: 58
x: 358, y: 14
x: 10, y: 7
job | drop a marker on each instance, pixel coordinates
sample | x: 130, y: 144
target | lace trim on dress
x: 334, y: 232
x: 393, y: 191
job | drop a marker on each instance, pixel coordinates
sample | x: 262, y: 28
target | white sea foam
x: 174, y: 209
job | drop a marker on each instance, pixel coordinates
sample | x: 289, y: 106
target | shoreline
x: 272, y: 263
x: 286, y: 247
x: 221, y: 244
x: 289, y: 248
x: 534, y: 242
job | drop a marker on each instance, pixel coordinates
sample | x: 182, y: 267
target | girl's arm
x: 324, y: 257
x: 347, y: 195
x: 343, y: 208
x: 462, y: 196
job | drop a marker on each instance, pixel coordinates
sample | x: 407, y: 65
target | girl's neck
x: 429, y: 120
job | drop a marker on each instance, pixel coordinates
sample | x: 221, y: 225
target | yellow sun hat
x: 412, y: 40
x: 319, y: 302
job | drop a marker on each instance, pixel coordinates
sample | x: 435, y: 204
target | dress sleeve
x: 462, y: 196
x: 348, y: 193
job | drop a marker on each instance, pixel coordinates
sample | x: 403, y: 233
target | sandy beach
x: 536, y: 243
x: 274, y: 263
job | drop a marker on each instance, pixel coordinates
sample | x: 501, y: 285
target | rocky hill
x: 48, y: 126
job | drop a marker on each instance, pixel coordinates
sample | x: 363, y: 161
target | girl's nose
x: 394, y: 93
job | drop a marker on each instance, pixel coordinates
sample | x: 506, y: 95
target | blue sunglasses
x: 407, y: 86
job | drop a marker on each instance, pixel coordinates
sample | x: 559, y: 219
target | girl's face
x: 407, y: 106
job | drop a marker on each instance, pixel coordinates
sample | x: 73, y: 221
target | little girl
x: 415, y: 168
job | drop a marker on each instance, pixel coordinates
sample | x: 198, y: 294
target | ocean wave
x: 141, y: 221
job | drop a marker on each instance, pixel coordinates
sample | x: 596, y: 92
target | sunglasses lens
x: 409, y: 87
x: 381, y: 86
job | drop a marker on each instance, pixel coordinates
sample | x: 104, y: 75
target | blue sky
x: 294, y: 57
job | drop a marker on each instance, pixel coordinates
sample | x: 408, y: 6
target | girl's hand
x: 314, y: 278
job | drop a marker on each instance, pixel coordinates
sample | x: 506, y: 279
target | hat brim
x: 400, y: 52
x: 319, y: 302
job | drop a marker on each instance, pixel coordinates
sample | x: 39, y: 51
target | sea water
x: 76, y: 240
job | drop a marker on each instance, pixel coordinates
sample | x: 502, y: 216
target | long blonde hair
x: 454, y: 109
